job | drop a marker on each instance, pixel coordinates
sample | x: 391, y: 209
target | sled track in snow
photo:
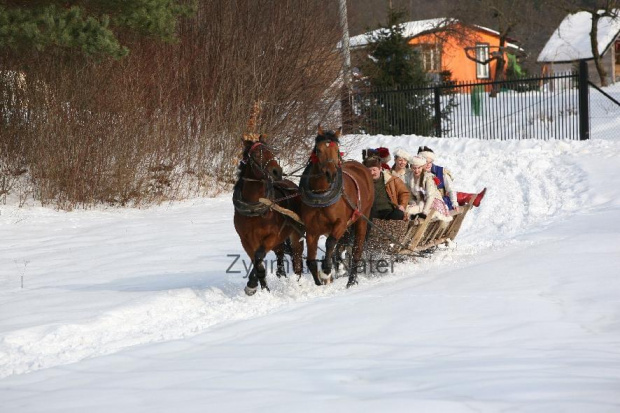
x: 182, y: 313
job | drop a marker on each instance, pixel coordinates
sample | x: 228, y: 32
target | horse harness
x: 321, y: 199
x: 257, y: 208
x: 328, y: 197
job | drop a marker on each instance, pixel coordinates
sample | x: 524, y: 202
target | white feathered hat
x: 401, y: 153
x: 418, y: 160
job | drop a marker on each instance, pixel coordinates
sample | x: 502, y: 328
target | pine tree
x: 90, y: 27
x: 394, y: 62
x: 392, y: 68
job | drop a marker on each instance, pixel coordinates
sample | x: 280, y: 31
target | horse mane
x: 242, y: 165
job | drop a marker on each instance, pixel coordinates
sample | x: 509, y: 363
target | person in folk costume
x: 401, y: 163
x: 425, y: 195
x: 445, y: 182
x: 391, y: 194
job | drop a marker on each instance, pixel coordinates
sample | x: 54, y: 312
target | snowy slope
x: 133, y: 310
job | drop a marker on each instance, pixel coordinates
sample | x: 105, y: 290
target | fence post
x: 437, y: 112
x: 584, y: 102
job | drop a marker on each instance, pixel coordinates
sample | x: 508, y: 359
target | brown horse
x: 334, y: 194
x: 261, y: 229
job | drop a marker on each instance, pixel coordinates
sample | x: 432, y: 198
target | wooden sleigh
x: 412, y: 237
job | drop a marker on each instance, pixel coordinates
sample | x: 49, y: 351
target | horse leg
x: 342, y: 252
x: 259, y: 265
x: 257, y: 275
x: 279, y: 251
x: 326, y: 266
x: 298, y: 251
x: 252, y: 285
x: 337, y: 257
x: 312, y: 241
x: 358, y: 247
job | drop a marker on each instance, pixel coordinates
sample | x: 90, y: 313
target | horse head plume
x: 251, y: 134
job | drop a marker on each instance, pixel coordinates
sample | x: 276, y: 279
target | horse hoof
x: 325, y: 278
x: 250, y: 290
x: 281, y: 274
x: 351, y: 283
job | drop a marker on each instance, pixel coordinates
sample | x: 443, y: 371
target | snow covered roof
x: 415, y: 28
x: 410, y: 29
x: 571, y: 40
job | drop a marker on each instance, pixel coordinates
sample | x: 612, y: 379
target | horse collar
x: 252, y: 209
x: 322, y: 199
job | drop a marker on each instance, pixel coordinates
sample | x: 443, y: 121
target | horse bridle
x: 254, y: 209
x: 322, y: 164
x: 324, y: 198
x: 259, y: 170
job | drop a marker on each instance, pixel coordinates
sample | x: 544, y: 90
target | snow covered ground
x: 130, y: 310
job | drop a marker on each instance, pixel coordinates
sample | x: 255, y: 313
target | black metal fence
x: 550, y: 107
x: 605, y: 112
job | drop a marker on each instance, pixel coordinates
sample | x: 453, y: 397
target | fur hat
x: 426, y: 152
x: 372, y: 161
x: 384, y: 154
x: 381, y: 153
x: 418, y: 160
x: 401, y: 153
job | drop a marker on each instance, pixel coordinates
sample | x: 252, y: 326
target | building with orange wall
x: 443, y: 46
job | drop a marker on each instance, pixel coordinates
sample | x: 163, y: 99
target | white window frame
x: 430, y: 55
x: 482, y: 54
